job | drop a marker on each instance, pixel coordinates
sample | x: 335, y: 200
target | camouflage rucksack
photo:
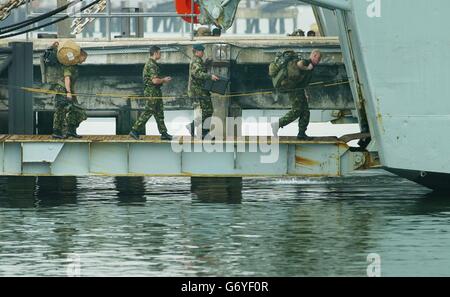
x: 51, y: 69
x: 278, y: 70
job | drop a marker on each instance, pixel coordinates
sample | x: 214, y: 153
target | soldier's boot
x: 72, y: 132
x: 134, y: 134
x: 191, y: 128
x: 302, y: 136
x: 57, y: 134
x: 166, y: 136
x: 275, y: 127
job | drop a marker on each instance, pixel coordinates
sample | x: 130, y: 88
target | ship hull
x: 433, y: 180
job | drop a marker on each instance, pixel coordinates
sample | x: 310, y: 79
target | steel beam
x: 121, y: 156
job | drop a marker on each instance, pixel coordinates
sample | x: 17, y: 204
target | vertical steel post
x: 108, y: 20
x: 27, y: 16
x: 192, y: 20
x: 20, y: 102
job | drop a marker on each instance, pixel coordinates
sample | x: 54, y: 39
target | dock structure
x: 113, y: 72
x: 22, y: 155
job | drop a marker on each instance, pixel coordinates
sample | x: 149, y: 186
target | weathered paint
x: 123, y: 156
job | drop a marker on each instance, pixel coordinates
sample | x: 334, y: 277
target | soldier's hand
x: 215, y: 77
x: 310, y: 66
x: 167, y: 79
x: 69, y: 96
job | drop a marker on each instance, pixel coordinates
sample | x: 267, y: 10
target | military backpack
x: 278, y: 68
x: 51, y: 69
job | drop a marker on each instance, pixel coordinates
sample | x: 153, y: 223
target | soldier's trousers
x: 207, y: 111
x: 68, y: 114
x: 299, y: 110
x: 153, y: 107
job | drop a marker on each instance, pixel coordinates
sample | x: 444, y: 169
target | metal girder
x: 120, y: 156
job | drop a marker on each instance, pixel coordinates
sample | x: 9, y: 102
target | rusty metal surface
x: 157, y: 139
x: 40, y: 155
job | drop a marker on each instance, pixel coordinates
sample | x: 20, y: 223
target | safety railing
x: 109, y: 15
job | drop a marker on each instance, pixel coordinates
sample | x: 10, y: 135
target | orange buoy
x: 185, y: 7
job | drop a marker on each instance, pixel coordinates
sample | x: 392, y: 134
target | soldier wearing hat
x: 68, y: 113
x: 197, y: 77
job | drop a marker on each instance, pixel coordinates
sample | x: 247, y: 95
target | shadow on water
x: 19, y: 192
x: 38, y: 192
x: 217, y: 190
x: 433, y: 203
x: 130, y: 190
x: 56, y: 191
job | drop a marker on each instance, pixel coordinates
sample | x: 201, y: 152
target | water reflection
x: 19, y: 192
x: 56, y: 191
x: 221, y: 226
x: 433, y: 203
x: 217, y: 189
x: 130, y: 190
x: 37, y: 192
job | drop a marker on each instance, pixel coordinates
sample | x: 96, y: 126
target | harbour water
x: 262, y: 227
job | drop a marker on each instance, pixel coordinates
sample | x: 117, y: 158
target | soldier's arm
x: 151, y: 74
x: 198, y: 73
x: 160, y: 81
x: 67, y: 81
x: 304, y: 65
x: 67, y: 85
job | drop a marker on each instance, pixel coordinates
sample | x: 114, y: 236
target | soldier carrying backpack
x: 278, y: 70
x: 62, y: 79
x: 292, y: 75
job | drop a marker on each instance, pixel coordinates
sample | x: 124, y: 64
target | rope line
x: 138, y: 97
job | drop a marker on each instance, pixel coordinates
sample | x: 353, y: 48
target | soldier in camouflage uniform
x: 68, y: 113
x: 197, y: 77
x: 299, y: 76
x: 152, y: 89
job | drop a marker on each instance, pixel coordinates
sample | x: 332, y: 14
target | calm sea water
x: 262, y: 227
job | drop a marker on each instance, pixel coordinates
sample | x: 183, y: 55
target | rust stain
x: 379, y: 116
x: 305, y: 162
x: 157, y: 139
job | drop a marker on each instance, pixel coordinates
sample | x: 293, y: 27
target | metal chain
x: 79, y: 24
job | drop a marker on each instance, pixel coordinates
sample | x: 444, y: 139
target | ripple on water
x: 264, y: 226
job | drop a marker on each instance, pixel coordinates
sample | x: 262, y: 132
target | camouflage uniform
x: 153, y: 107
x: 297, y: 81
x: 197, y: 77
x: 68, y: 113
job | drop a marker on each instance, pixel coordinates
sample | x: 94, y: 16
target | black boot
x: 72, y: 132
x: 166, y: 136
x: 57, y: 134
x: 134, y: 134
x: 302, y: 136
